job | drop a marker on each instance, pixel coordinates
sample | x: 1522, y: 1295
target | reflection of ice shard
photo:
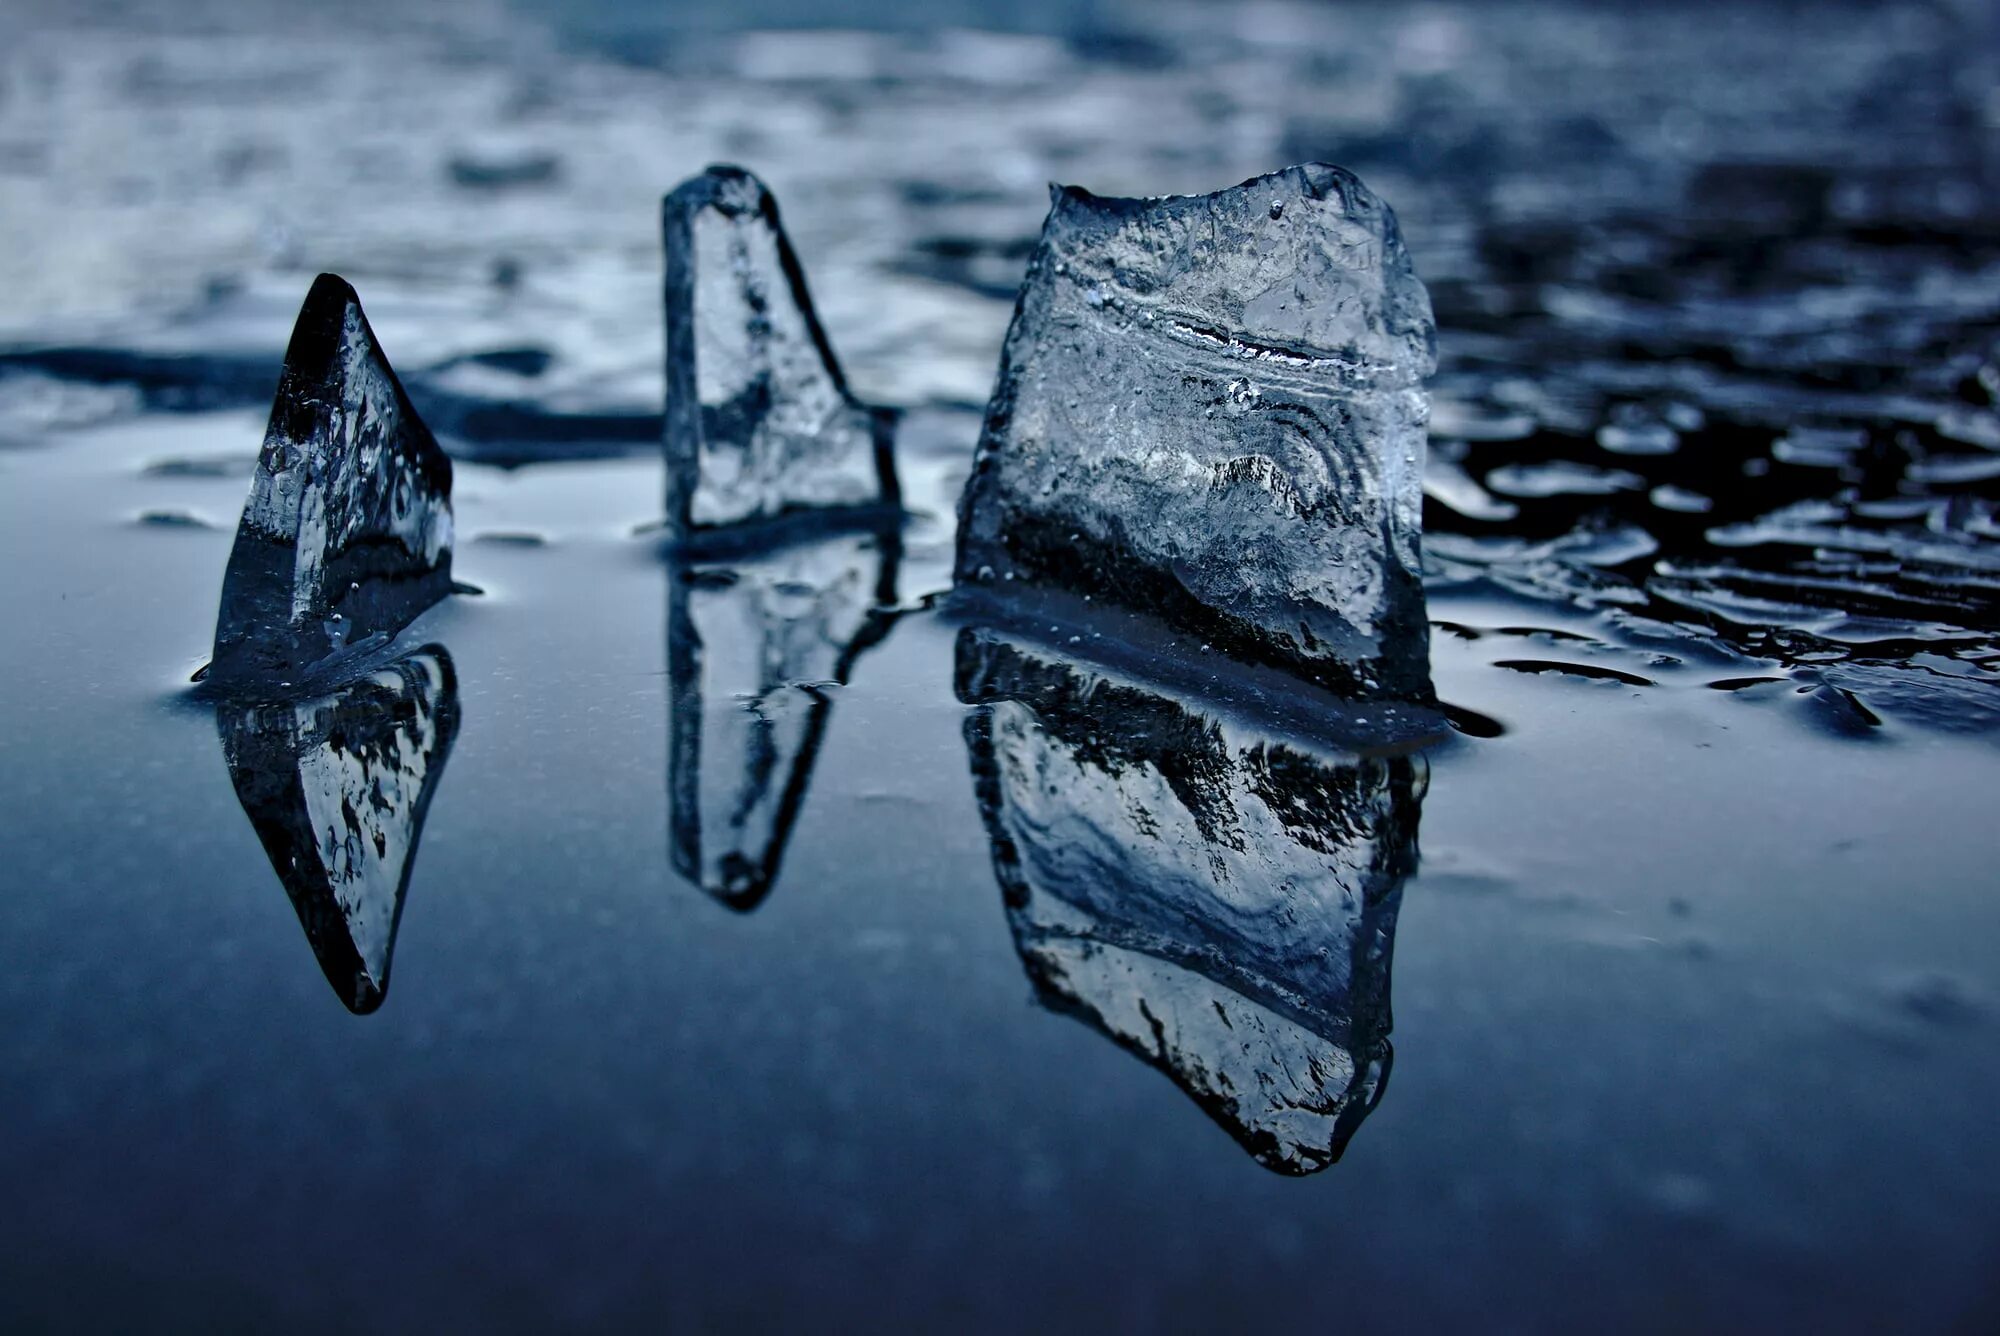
x: 1211, y: 408
x: 337, y: 787
x: 751, y: 648
x: 759, y: 421
x: 1220, y: 902
x: 346, y: 536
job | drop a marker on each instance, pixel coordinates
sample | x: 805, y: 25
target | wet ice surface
x: 1696, y: 997
x: 1210, y: 408
x: 759, y: 423
x: 346, y: 536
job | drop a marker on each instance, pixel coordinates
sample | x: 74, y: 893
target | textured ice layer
x: 751, y: 648
x: 347, y: 534
x: 1220, y: 902
x: 1212, y: 408
x: 759, y: 423
x: 337, y: 787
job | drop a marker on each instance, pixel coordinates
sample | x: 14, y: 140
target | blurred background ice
x: 489, y: 173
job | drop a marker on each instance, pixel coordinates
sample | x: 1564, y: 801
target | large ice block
x: 346, y: 535
x: 1212, y: 409
x: 337, y: 787
x: 1219, y: 900
x: 753, y: 644
x: 759, y: 422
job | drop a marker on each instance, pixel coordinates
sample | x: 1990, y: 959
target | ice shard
x: 1217, y: 900
x: 753, y: 645
x: 759, y: 421
x: 337, y: 787
x: 347, y: 535
x: 1212, y: 409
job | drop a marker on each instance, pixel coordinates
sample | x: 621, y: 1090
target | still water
x: 1691, y: 998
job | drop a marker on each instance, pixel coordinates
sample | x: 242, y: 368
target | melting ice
x: 1211, y: 408
x: 1210, y: 416
x: 347, y: 533
x: 759, y: 428
x: 759, y: 422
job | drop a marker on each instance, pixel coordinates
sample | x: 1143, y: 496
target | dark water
x: 1673, y: 973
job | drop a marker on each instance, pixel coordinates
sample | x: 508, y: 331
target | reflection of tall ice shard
x: 1211, y: 409
x: 1219, y: 902
x: 346, y: 536
x: 337, y: 787
x: 751, y: 648
x: 759, y: 421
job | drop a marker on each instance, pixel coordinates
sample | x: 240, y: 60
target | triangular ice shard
x: 1218, y: 901
x: 346, y: 536
x: 752, y: 647
x: 337, y: 787
x: 1212, y: 409
x: 759, y: 423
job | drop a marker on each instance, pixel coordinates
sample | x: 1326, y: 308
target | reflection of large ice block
x: 337, y: 787
x: 346, y: 536
x: 759, y: 422
x: 752, y: 646
x: 1218, y: 901
x: 1211, y: 408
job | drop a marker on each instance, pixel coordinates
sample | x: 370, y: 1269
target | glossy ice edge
x: 347, y: 532
x: 777, y: 307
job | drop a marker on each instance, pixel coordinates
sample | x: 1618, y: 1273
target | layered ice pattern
x: 347, y: 533
x: 1212, y: 409
x: 337, y: 787
x: 759, y: 422
x: 1220, y: 901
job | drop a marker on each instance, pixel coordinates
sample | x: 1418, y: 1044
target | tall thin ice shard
x: 1219, y: 901
x: 752, y: 646
x: 347, y: 535
x: 759, y: 422
x: 337, y: 787
x: 1212, y: 409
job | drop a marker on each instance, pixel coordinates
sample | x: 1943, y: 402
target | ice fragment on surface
x: 1680, y: 500
x: 752, y: 647
x: 346, y: 535
x: 337, y: 787
x: 1560, y: 477
x: 1447, y: 482
x: 759, y: 423
x: 1212, y: 408
x: 1218, y: 901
